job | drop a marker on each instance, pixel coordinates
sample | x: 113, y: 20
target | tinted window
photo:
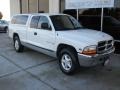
x: 21, y: 19
x: 43, y: 19
x: 34, y: 22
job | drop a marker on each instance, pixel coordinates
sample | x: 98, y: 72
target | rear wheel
x: 17, y: 44
x: 68, y: 61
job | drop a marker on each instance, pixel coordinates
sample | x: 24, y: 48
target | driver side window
x: 44, y: 19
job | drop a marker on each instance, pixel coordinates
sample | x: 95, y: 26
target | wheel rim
x: 66, y: 62
x: 16, y: 45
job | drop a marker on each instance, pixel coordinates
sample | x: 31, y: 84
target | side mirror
x: 45, y: 26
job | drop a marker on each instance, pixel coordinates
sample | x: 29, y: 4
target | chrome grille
x: 104, y: 46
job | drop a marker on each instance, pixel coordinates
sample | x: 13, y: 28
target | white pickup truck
x: 61, y: 36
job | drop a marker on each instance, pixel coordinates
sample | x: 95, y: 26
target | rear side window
x: 20, y: 19
x: 34, y: 22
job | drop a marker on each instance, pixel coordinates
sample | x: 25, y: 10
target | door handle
x: 35, y: 33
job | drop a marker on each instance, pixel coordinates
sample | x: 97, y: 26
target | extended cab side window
x: 44, y: 20
x: 34, y: 22
x: 20, y: 19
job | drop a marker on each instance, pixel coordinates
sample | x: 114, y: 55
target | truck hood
x: 90, y: 37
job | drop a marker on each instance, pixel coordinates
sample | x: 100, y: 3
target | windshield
x: 64, y: 22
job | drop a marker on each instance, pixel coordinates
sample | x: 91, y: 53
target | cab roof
x: 45, y: 14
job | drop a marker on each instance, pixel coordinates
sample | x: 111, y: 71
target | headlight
x: 90, y: 50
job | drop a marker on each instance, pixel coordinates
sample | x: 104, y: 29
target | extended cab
x: 61, y: 36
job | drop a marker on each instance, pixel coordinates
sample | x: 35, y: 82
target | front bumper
x: 88, y: 61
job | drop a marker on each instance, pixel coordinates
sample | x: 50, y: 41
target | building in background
x: 33, y: 6
x: 11, y: 7
x: 36, y: 6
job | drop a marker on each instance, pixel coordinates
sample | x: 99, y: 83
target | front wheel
x: 68, y: 61
x: 17, y: 44
x: 6, y: 29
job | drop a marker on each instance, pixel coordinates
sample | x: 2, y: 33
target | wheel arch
x: 62, y: 46
x: 6, y: 27
x: 14, y: 35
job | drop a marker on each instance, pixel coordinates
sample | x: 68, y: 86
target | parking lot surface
x: 31, y: 70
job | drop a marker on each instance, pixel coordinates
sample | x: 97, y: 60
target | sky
x: 5, y: 9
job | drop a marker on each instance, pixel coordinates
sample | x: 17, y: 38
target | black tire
x: 20, y: 47
x: 117, y: 47
x: 6, y: 29
x: 73, y: 62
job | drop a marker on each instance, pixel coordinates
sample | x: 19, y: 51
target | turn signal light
x: 89, y: 52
